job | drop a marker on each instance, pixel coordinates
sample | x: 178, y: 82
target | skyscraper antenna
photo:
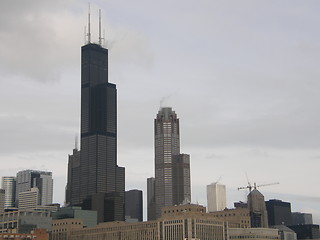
x: 76, y: 142
x: 100, y: 42
x: 85, y: 34
x: 89, y: 33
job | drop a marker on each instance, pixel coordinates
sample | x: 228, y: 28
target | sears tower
x: 96, y: 181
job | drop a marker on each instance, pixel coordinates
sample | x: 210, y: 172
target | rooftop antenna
x: 85, y: 34
x: 89, y: 33
x: 100, y: 42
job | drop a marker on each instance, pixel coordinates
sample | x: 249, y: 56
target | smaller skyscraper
x: 216, y: 197
x: 257, y: 208
x: 9, y: 185
x: 29, y: 199
x: 133, y: 207
x: 151, y: 201
x: 279, y: 213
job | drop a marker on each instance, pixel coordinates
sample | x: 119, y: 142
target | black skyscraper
x: 99, y: 180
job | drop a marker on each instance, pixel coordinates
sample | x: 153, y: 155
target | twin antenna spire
x: 88, y: 34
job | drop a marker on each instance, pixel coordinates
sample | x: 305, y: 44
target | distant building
x: 29, y: 199
x: 240, y: 205
x: 253, y: 233
x: 151, y: 202
x: 9, y: 185
x: 73, y: 181
x: 177, y: 222
x: 301, y: 218
x: 216, y: 197
x: 306, y: 231
x: 133, y: 205
x: 2, y: 200
x: 257, y: 208
x: 236, y: 218
x: 285, y: 233
x: 28, y: 179
x: 61, y: 228
x: 172, y: 169
x: 88, y: 217
x: 24, y: 221
x: 279, y: 212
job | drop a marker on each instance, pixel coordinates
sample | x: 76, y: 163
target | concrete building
x: 9, y: 185
x: 253, y: 233
x: 29, y: 199
x: 172, y: 169
x: 236, y: 218
x: 301, y: 218
x: 61, y: 228
x: 257, y: 208
x: 28, y: 179
x: 134, y: 205
x: 178, y: 222
x: 285, y: 233
x: 88, y: 217
x: 216, y: 197
x: 24, y: 221
x: 101, y: 185
x: 151, y: 201
x: 279, y: 213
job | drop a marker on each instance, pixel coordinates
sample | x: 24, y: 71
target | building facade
x: 301, y: 218
x: 2, y: 200
x: 134, y: 205
x: 95, y: 181
x: 151, y: 201
x: 9, y: 185
x: 172, y: 169
x: 28, y: 179
x: 257, y: 208
x: 216, y: 197
x: 279, y: 212
x: 29, y: 199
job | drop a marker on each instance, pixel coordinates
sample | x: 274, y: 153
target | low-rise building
x: 253, y: 233
x: 236, y: 217
x: 61, y: 228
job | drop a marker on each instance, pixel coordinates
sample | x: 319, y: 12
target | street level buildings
x: 172, y: 169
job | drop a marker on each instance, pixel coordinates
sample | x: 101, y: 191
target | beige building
x: 183, y: 222
x: 237, y: 217
x: 253, y: 233
x: 61, y: 228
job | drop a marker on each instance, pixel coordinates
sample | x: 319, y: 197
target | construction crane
x: 255, y: 186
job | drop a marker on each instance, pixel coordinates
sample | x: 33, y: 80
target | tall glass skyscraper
x: 9, y: 185
x: 172, y: 169
x: 97, y: 183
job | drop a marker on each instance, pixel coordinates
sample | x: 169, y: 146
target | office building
x: 257, y: 208
x: 73, y: 181
x: 253, y: 233
x: 88, y: 217
x: 151, y: 201
x: 9, y: 185
x: 101, y: 185
x: 279, y: 213
x: 306, y: 231
x: 301, y: 218
x: 216, y: 197
x: 42, y: 180
x: 172, y: 169
x: 133, y: 206
x: 2, y: 200
x: 61, y: 228
x: 236, y: 217
x: 29, y: 199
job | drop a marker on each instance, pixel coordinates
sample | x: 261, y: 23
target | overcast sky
x: 242, y: 76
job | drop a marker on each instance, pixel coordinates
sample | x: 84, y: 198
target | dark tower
x: 99, y: 179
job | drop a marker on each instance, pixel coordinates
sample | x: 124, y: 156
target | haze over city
x: 242, y: 77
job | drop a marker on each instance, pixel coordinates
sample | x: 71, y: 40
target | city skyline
x: 246, y: 71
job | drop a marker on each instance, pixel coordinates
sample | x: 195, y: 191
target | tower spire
x: 100, y: 42
x: 89, y: 33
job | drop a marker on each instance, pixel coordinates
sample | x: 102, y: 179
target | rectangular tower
x: 96, y: 182
x: 9, y: 185
x: 172, y: 169
x: 216, y: 197
x: 133, y: 206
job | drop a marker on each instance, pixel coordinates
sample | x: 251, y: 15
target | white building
x: 29, y: 199
x: 216, y: 197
